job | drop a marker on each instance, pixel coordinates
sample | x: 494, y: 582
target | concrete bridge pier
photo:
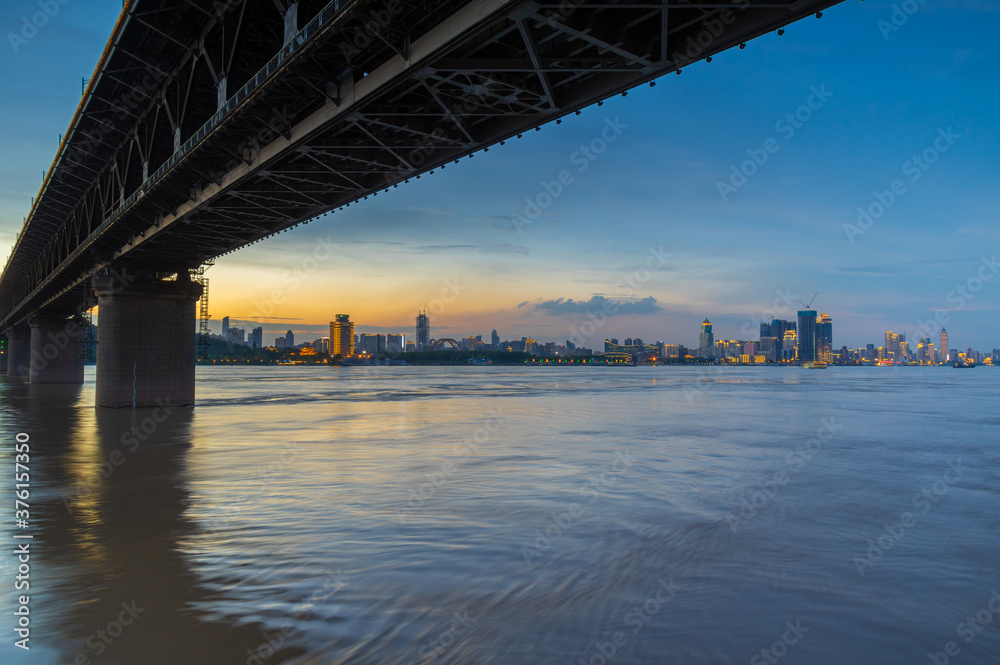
x: 146, y: 341
x: 19, y: 351
x: 56, y: 349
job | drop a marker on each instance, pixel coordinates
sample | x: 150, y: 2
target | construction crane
x: 809, y: 304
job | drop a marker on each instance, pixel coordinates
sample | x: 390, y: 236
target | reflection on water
x: 513, y: 515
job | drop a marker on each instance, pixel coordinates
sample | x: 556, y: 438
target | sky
x: 873, y: 161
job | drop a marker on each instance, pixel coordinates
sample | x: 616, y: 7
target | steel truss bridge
x: 211, y: 125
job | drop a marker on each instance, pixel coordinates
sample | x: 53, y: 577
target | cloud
x: 568, y: 306
x: 866, y: 271
x: 481, y: 249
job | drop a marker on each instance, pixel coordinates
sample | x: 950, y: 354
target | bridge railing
x: 327, y: 14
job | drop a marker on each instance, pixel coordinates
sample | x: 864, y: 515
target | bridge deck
x: 367, y: 95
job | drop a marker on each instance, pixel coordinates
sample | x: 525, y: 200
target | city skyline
x: 687, y: 213
x: 825, y: 346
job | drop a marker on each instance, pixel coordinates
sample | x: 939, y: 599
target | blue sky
x: 930, y: 89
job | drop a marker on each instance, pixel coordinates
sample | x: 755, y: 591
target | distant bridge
x: 438, y: 344
x: 210, y: 126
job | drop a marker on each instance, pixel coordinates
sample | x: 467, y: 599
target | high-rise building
x: 789, y: 345
x: 225, y: 327
x: 892, y: 349
x: 290, y: 339
x: 772, y: 336
x: 807, y: 335
x: 257, y: 337
x: 371, y: 343
x: 925, y: 350
x: 495, y: 339
x: 706, y: 340
x: 423, y: 329
x: 342, y: 336
x: 394, y: 343
x: 824, y: 338
x: 943, y: 346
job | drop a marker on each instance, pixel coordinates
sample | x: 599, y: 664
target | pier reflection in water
x: 108, y: 510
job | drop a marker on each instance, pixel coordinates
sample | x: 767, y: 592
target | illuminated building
x: 943, y: 346
x: 423, y: 329
x: 342, y: 336
x: 706, y: 340
x: 824, y: 338
x: 637, y: 351
x: 892, y: 349
x: 807, y: 335
x: 789, y: 346
x: 772, y: 339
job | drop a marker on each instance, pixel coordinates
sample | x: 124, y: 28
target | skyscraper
x: 225, y: 327
x: 892, y: 345
x: 824, y: 338
x: 789, y: 345
x: 943, y: 346
x: 495, y: 339
x: 257, y: 338
x: 342, y: 336
x: 807, y: 335
x: 706, y: 340
x: 423, y: 329
x: 289, y: 339
x: 772, y: 339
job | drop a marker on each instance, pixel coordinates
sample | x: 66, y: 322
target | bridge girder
x: 369, y: 94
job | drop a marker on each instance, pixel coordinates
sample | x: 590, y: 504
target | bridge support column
x: 56, y: 349
x: 19, y: 351
x: 146, y: 342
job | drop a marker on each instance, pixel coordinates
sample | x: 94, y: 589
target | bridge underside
x: 369, y: 95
